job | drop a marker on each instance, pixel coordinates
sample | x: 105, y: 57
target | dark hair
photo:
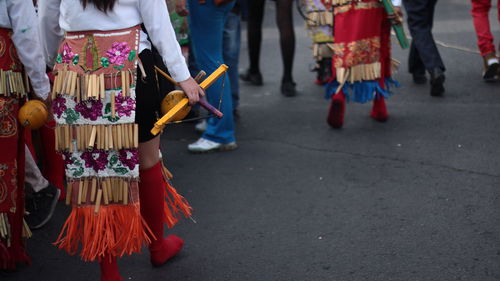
x: 102, y: 5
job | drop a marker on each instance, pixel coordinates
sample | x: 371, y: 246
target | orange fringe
x: 174, y: 203
x: 115, y: 230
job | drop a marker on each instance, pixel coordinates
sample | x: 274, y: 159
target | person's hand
x: 192, y: 90
x: 397, y: 17
x: 180, y: 8
x: 48, y: 104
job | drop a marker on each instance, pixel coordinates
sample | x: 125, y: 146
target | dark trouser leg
x: 420, y: 18
x: 415, y: 64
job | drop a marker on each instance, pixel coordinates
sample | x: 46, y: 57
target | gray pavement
x: 416, y: 198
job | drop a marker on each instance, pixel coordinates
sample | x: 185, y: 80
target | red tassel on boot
x: 152, y: 197
x: 109, y: 269
x: 336, y: 112
x: 52, y: 162
x: 379, y: 110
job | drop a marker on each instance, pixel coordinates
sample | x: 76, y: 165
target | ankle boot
x: 52, y: 162
x: 109, y: 269
x: 379, y: 109
x: 152, y: 200
x: 336, y: 112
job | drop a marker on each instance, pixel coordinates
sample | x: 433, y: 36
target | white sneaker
x: 204, y: 145
x: 201, y: 126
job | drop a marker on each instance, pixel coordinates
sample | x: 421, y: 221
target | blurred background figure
x: 424, y: 54
x: 41, y: 195
x: 319, y: 24
x: 485, y: 41
x: 231, y: 49
x: 206, y: 24
x: 284, y: 20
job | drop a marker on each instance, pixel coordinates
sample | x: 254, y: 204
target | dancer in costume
x: 319, y: 24
x: 362, y: 58
x: 105, y: 104
x: 19, y: 48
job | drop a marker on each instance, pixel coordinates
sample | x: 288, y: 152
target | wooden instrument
x: 180, y: 106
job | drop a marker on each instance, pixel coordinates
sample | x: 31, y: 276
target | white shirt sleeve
x: 396, y: 3
x: 50, y: 31
x: 157, y: 21
x: 26, y: 39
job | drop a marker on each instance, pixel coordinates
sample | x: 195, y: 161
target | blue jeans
x: 206, y: 23
x: 232, y: 31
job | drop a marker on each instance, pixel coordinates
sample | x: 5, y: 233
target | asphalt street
x: 413, y: 199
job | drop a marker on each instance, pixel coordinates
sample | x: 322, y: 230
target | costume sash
x: 94, y: 107
x: 12, y: 91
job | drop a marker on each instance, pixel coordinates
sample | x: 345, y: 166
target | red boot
x: 379, y: 110
x: 52, y: 162
x: 336, y: 112
x: 151, y: 193
x: 109, y: 269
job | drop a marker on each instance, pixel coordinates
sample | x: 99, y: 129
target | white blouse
x: 57, y: 16
x: 20, y: 16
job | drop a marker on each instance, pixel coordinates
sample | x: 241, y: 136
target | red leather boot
x: 109, y: 269
x: 379, y: 110
x: 336, y: 112
x: 152, y: 199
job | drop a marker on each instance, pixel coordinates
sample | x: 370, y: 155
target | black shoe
x: 288, y: 89
x: 437, y: 81
x: 491, y: 72
x: 40, y: 206
x: 252, y: 78
x: 419, y: 78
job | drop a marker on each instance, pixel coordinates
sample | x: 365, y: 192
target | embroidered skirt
x: 94, y: 108
x: 12, y: 95
x: 362, y: 60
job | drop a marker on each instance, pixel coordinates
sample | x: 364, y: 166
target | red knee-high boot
x: 336, y: 112
x: 152, y: 199
x: 52, y: 162
x: 379, y: 110
x: 109, y: 269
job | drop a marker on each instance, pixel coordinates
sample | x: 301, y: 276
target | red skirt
x: 362, y: 59
x: 12, y: 226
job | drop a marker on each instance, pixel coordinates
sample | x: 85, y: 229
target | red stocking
x: 52, y: 162
x: 151, y: 191
x: 379, y: 110
x: 337, y: 109
x: 109, y: 269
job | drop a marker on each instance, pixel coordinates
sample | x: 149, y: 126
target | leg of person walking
x: 415, y: 65
x: 207, y: 24
x: 254, y: 37
x: 284, y: 20
x: 420, y: 17
x: 480, y: 15
x: 231, y: 53
x: 41, y: 202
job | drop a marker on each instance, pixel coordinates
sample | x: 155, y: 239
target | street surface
x: 414, y: 199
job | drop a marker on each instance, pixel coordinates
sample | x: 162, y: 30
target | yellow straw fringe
x: 359, y: 72
x: 12, y: 84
